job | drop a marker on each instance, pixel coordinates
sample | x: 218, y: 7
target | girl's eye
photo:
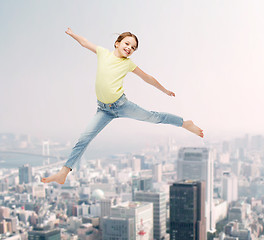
x: 126, y: 43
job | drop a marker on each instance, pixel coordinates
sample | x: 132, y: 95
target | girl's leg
x: 132, y: 110
x: 99, y: 121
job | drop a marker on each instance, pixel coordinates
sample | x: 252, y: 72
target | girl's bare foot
x: 189, y: 125
x: 59, y: 177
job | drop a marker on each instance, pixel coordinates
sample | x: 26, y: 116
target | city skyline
x: 210, y: 54
x: 132, y: 192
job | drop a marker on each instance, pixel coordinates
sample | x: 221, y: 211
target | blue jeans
x: 107, y: 112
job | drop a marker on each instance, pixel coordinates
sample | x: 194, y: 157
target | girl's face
x: 126, y: 47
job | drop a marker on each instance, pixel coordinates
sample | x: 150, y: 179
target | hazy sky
x: 210, y: 53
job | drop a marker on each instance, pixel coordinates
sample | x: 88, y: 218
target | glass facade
x: 187, y: 218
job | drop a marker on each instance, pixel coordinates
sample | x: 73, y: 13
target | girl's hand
x: 170, y: 93
x: 69, y: 31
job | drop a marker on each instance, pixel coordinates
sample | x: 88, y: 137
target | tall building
x: 44, y: 234
x: 236, y: 167
x: 197, y: 164
x: 143, y: 163
x: 46, y: 152
x: 142, y: 214
x: 229, y: 187
x: 98, y: 164
x: 157, y: 172
x: 159, y: 211
x: 187, y: 215
x: 25, y: 174
x: 136, y: 164
x: 4, y: 185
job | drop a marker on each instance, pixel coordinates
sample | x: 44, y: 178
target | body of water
x: 16, y: 160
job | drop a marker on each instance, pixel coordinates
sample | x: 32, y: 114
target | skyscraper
x: 157, y: 172
x: 46, y: 152
x: 197, y: 164
x: 187, y: 215
x: 25, y: 174
x: 136, y: 164
x: 159, y: 211
x: 229, y: 187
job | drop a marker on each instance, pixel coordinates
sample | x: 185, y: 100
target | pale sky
x: 210, y: 53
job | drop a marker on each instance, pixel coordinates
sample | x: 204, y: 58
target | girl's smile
x: 125, y: 48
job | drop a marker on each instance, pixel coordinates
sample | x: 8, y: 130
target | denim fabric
x: 122, y: 108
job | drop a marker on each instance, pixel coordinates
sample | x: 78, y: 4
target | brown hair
x: 126, y: 34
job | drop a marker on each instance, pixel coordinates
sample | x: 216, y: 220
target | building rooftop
x: 127, y: 205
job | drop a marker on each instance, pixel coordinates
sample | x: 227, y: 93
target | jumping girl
x: 112, y: 103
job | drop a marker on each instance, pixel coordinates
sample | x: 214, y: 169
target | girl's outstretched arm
x: 83, y: 41
x: 151, y: 80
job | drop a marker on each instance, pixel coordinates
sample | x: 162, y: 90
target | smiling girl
x: 112, y: 103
